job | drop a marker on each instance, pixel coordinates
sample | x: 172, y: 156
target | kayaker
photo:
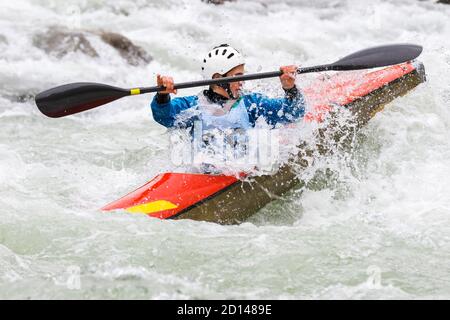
x: 225, y: 106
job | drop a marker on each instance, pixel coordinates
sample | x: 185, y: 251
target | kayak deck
x: 229, y: 200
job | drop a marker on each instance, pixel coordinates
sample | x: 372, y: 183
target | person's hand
x: 167, y: 82
x: 288, y: 77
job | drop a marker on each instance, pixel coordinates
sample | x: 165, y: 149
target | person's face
x: 236, y: 87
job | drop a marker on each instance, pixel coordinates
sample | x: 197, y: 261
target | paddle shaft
x: 253, y: 76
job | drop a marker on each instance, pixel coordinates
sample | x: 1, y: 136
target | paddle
x: 77, y: 97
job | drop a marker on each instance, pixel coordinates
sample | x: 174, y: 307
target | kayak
x: 232, y: 200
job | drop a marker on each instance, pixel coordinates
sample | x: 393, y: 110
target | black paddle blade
x: 378, y: 57
x: 76, y: 97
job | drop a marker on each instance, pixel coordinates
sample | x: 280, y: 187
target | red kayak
x: 229, y: 200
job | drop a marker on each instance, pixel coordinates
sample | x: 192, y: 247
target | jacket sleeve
x: 278, y: 110
x: 165, y: 111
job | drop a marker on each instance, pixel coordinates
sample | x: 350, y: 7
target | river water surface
x: 378, y: 227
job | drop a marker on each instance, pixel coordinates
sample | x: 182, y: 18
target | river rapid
x: 378, y: 227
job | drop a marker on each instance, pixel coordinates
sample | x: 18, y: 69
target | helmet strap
x: 227, y: 88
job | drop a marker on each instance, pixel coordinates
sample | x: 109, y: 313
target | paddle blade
x: 76, y: 97
x: 378, y: 57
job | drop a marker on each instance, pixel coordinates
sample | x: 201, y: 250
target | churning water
x: 376, y: 224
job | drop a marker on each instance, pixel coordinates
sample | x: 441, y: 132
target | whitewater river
x: 378, y: 227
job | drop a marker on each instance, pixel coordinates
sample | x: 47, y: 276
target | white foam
x: 384, y: 204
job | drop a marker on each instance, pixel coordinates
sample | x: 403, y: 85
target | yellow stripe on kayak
x: 135, y: 91
x: 152, y: 207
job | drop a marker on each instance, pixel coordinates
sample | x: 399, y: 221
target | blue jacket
x: 274, y: 111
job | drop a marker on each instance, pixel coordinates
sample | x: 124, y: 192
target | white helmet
x: 220, y: 60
